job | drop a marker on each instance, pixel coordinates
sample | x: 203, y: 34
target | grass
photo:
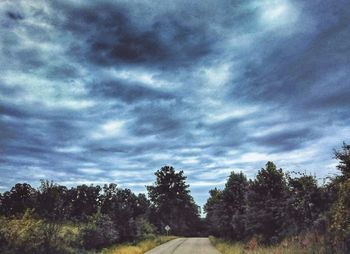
x: 138, y: 248
x: 226, y: 247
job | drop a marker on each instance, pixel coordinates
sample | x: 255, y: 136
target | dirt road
x: 185, y: 246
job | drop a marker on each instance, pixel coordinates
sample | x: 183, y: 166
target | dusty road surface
x: 185, y: 246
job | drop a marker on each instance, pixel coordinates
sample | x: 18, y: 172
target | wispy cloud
x: 111, y: 91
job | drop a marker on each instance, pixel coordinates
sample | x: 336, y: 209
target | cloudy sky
x: 110, y: 91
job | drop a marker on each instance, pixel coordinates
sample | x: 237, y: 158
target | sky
x: 110, y: 91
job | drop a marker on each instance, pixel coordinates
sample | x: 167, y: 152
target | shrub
x: 30, y: 235
x: 99, y: 232
x: 340, y: 217
x: 3, y: 241
x: 144, y: 229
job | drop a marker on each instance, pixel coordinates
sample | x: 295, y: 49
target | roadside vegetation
x: 139, y: 247
x: 281, y: 212
x: 290, y: 246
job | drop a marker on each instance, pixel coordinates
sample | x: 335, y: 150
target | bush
x: 99, y: 232
x: 340, y: 217
x: 144, y: 229
x: 30, y: 235
x: 3, y: 241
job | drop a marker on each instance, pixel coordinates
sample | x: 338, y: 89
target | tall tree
x: 85, y: 200
x: 124, y: 208
x: 226, y: 210
x: 172, y: 203
x: 305, y: 202
x: 213, y: 209
x: 234, y: 205
x: 52, y: 201
x: 266, y: 203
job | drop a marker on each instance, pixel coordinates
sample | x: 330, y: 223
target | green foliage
x: 270, y: 182
x: 276, y: 206
x: 288, y: 246
x: 144, y: 229
x: 304, y: 204
x: 270, y: 207
x: 226, y: 209
x: 124, y: 207
x: 340, y: 211
x: 100, y: 231
x: 172, y: 203
x: 234, y: 209
x: 343, y: 156
x: 340, y: 216
x: 265, y: 204
x: 84, y: 201
x: 20, y: 198
x: 213, y: 211
x: 244, y: 209
x: 112, y: 216
x: 52, y: 201
x: 30, y: 235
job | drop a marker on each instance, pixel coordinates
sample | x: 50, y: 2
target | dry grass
x: 140, y: 247
x: 252, y: 247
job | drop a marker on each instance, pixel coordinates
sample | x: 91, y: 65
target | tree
x: 124, y: 208
x: 266, y: 204
x: 18, y: 199
x: 343, y: 156
x: 213, y: 210
x: 142, y: 205
x: 340, y: 217
x: 305, y: 203
x: 172, y: 203
x: 234, y: 205
x: 52, y: 201
x: 1, y: 204
x: 85, y: 201
x: 340, y: 211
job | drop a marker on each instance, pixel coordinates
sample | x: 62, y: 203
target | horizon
x: 203, y: 197
x: 112, y: 91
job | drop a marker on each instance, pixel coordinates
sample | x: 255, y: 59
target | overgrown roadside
x: 140, y: 247
x: 252, y: 247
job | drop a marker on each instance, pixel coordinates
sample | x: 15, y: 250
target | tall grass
x: 252, y: 247
x: 140, y: 247
x: 27, y: 235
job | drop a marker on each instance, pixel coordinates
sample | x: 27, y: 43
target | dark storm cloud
x: 287, y: 140
x: 36, y: 137
x: 113, y: 90
x: 112, y: 37
x: 14, y: 15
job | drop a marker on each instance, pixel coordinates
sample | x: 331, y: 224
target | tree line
x: 277, y: 205
x: 103, y: 215
x: 273, y: 206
